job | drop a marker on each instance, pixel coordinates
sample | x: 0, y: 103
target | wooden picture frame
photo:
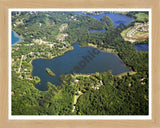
x: 4, y: 63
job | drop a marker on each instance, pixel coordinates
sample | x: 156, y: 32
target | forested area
x: 27, y: 100
x: 101, y: 93
x: 125, y: 96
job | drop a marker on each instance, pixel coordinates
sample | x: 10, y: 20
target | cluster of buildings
x: 139, y: 27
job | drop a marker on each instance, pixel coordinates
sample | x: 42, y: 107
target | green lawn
x: 123, y: 33
x: 141, y: 17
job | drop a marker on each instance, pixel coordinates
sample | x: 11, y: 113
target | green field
x: 142, y: 17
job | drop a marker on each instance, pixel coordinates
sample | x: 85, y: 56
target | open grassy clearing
x: 142, y: 17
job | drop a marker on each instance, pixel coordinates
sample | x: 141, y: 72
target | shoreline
x: 71, y: 50
x: 46, y: 59
x: 17, y: 42
x: 122, y: 74
x: 125, y: 73
x: 116, y: 54
x: 101, y: 49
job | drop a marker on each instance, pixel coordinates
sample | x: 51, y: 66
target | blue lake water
x: 116, y: 18
x: 15, y: 38
x: 141, y: 47
x: 80, y: 60
x: 94, y: 30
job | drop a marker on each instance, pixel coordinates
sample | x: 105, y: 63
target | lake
x: 96, y: 30
x: 141, y: 47
x: 82, y: 60
x: 15, y: 38
x: 116, y: 18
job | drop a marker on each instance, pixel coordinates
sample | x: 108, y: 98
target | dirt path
x: 20, y: 64
x: 75, y: 100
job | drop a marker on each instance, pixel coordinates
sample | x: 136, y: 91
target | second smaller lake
x: 15, y: 38
x: 96, y: 30
x: 141, y: 47
x: 116, y: 18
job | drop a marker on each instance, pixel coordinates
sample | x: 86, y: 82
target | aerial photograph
x: 79, y: 62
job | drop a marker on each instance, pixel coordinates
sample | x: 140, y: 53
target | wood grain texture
x: 78, y: 3
x: 6, y: 4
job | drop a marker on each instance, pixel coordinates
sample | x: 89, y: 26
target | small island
x: 50, y: 72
